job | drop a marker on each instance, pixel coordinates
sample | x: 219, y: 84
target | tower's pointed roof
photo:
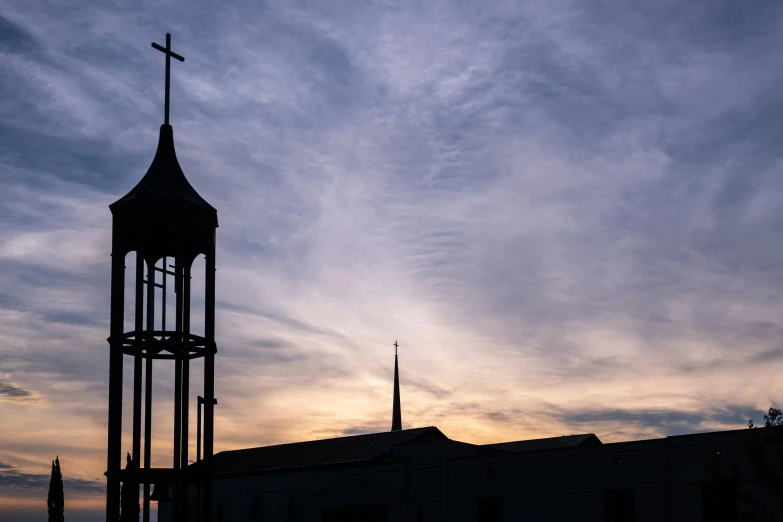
x: 396, y: 413
x: 164, y: 180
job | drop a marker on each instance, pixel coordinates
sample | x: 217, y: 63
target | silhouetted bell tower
x: 168, y: 225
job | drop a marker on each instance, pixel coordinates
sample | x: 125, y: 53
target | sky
x: 568, y: 214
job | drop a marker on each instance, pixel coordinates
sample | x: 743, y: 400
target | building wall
x: 446, y: 480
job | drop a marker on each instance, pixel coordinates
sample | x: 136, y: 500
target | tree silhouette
x: 56, y: 498
x: 129, y: 496
x: 773, y: 418
x: 765, y: 452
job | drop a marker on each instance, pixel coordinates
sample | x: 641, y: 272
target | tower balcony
x: 163, y: 344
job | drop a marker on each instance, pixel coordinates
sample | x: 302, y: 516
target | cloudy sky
x: 569, y: 214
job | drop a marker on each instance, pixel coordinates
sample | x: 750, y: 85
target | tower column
x: 117, y: 311
x: 209, y: 375
x: 138, y: 312
x: 148, y: 387
x: 185, y: 289
x: 178, y: 500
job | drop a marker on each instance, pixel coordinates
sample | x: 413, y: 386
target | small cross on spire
x: 169, y: 53
x: 395, y: 348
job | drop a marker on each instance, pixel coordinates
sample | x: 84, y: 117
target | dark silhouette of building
x: 420, y: 475
x: 167, y: 224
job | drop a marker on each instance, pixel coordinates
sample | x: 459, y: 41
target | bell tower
x: 167, y: 224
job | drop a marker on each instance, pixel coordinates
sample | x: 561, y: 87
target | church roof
x: 341, y: 450
x: 566, y: 441
x: 164, y: 179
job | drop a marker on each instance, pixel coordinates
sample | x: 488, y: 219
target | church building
x: 421, y: 475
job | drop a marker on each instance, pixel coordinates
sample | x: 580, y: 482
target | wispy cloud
x: 560, y: 209
x: 13, y: 479
x: 13, y: 393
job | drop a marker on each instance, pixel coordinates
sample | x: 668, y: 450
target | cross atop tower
x: 169, y: 53
x: 395, y: 348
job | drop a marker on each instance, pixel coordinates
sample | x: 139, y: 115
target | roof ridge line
x: 333, y: 438
x: 540, y: 438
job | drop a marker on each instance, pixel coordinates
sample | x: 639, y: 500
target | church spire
x: 396, y: 413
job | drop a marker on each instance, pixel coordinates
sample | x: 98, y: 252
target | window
x: 366, y: 513
x: 718, y: 503
x: 490, y: 510
x: 619, y: 506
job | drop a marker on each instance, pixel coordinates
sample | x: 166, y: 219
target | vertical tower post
x: 209, y: 376
x: 178, y: 355
x: 148, y: 387
x: 185, y: 291
x: 138, y: 360
x: 117, y: 313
